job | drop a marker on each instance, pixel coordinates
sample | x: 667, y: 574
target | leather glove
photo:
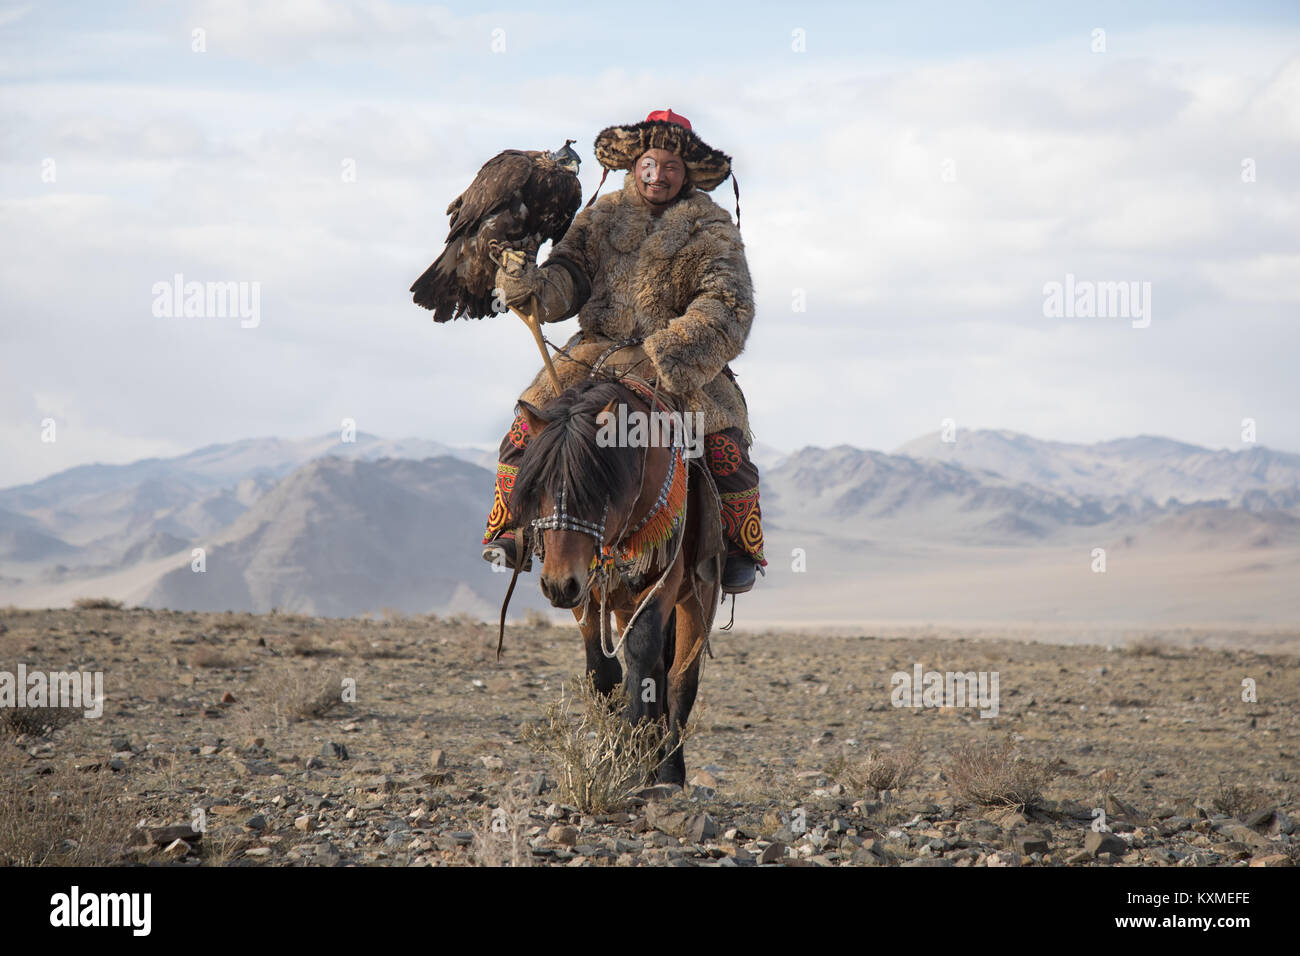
x: 517, y: 281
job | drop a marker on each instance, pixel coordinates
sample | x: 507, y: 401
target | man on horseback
x: 656, y: 274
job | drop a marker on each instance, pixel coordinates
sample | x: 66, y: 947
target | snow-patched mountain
x: 103, y: 512
x: 1146, y: 466
x: 343, y: 536
x: 353, y: 533
x: 214, y: 467
x: 855, y: 493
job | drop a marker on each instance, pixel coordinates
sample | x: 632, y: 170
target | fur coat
x: 679, y: 281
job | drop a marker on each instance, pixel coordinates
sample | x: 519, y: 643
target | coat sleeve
x: 694, y: 347
x: 564, y: 280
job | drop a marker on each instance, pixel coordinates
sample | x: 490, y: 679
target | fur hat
x: 619, y: 147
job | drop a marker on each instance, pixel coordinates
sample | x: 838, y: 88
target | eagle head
x: 566, y: 158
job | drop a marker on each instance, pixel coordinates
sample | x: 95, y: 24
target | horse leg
x: 606, y: 672
x: 643, y: 649
x: 683, y: 684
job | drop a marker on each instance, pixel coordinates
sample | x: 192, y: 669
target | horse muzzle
x: 564, y: 591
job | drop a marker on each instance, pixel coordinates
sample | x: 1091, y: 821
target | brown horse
x: 632, y: 529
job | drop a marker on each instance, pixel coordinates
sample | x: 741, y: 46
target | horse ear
x: 532, y: 416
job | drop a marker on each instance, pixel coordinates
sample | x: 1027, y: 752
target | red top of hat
x: 670, y: 117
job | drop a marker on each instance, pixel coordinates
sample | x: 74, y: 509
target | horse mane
x: 565, y: 454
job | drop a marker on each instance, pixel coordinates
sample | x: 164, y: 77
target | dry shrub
x: 32, y: 721
x: 289, y: 693
x: 97, y: 604
x: 879, y: 769
x: 362, y: 646
x: 996, y: 775
x: 211, y: 657
x: 306, y: 646
x: 64, y: 818
x: 502, y: 838
x: 35, y: 721
x: 1145, y: 647
x: 600, y: 759
x: 1238, y: 801
x: 536, y: 620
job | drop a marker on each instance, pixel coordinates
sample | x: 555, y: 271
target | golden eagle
x: 519, y: 199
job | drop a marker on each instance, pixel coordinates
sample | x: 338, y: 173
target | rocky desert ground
x: 235, y: 723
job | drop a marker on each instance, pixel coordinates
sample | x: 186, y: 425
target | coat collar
x: 633, y: 221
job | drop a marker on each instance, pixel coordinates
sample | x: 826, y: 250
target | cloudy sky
x: 915, y: 173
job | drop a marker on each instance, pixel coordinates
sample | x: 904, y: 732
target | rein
x: 664, y: 522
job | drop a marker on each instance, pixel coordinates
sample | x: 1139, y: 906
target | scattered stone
x: 178, y: 849
x: 493, y: 763
x: 259, y: 768
x: 438, y: 760
x: 1239, y: 832
x: 306, y: 823
x: 333, y: 749
x: 256, y: 822
x: 1030, y: 843
x: 666, y: 820
x: 870, y: 853
x: 165, y: 836
x: 773, y: 853
x: 563, y: 835
x: 1117, y: 809
x: 1096, y: 843
x: 699, y: 827
x: 703, y: 778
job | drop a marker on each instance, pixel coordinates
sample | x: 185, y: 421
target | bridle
x: 616, y: 560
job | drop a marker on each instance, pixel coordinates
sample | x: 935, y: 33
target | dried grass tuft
x: 997, y: 775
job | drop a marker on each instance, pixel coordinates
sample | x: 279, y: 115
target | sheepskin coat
x: 679, y: 281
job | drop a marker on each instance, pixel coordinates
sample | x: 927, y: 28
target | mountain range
x: 337, y: 528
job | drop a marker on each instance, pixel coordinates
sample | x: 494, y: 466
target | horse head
x: 579, y: 490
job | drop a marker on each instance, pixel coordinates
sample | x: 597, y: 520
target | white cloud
x: 924, y: 296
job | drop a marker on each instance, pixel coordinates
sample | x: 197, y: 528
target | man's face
x: 659, y: 176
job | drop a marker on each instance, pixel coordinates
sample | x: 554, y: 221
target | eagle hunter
x: 519, y: 199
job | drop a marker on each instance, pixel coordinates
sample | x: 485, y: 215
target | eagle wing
x: 499, y: 179
x: 518, y: 199
x: 557, y: 194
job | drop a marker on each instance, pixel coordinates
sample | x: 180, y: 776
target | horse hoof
x: 660, y: 791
